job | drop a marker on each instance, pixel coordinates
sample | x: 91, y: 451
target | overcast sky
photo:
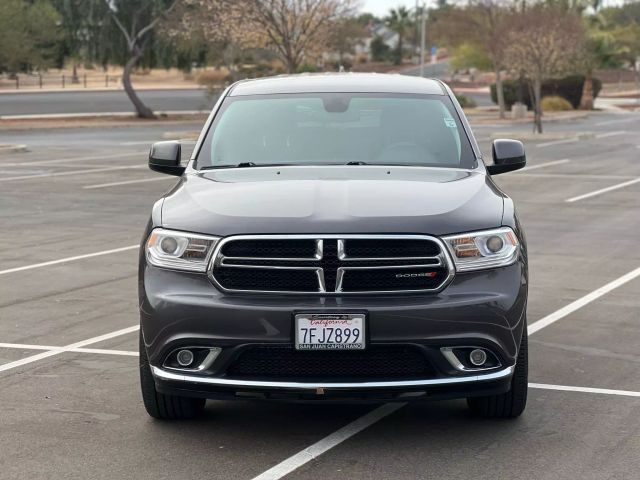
x: 381, y: 7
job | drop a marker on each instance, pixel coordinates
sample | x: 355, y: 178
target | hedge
x: 466, y: 102
x: 569, y: 88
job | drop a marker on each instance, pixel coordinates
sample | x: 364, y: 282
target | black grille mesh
x: 381, y: 248
x: 376, y: 362
x: 267, y: 280
x: 293, y: 248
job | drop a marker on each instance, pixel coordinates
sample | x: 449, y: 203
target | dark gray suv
x: 334, y: 238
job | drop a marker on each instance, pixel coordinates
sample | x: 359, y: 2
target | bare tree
x: 346, y: 33
x: 543, y: 43
x: 483, y: 23
x: 136, y: 19
x: 220, y: 24
x: 295, y: 28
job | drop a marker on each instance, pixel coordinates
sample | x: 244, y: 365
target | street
x: 73, y: 209
x: 43, y: 103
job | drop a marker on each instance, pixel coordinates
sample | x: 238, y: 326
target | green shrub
x: 569, y: 88
x: 379, y: 50
x: 555, y: 103
x: 510, y: 89
x: 307, y: 68
x: 466, y: 102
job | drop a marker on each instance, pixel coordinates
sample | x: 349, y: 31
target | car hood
x: 327, y: 199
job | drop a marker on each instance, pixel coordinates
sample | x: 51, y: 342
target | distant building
x: 373, y: 30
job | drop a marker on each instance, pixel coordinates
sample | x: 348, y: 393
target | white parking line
x: 544, y: 165
x: 67, y: 259
x: 567, y: 388
x: 557, y: 142
x: 611, y: 134
x: 603, y: 190
x: 611, y: 122
x: 290, y: 464
x: 327, y: 443
x: 102, y: 351
x: 71, y: 159
x: 74, y: 172
x: 67, y: 348
x: 127, y: 182
x: 581, y: 302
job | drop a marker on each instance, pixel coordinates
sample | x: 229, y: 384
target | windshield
x: 336, y: 128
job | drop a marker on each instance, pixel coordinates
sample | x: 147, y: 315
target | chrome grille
x: 331, y: 264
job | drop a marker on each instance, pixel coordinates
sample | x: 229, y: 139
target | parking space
x: 78, y: 417
x: 561, y: 436
x: 68, y: 337
x: 598, y: 342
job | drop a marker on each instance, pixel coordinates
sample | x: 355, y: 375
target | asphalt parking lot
x: 72, y: 211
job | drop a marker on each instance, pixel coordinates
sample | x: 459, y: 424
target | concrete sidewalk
x: 86, y: 121
x: 117, y: 88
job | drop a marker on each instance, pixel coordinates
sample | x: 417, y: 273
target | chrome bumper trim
x: 226, y: 382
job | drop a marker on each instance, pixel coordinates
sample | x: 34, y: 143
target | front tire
x: 512, y: 403
x: 159, y: 405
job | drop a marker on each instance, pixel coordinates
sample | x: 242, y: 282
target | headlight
x: 487, y: 249
x: 179, y: 250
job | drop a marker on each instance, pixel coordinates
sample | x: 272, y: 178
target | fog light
x: 185, y: 358
x: 478, y: 357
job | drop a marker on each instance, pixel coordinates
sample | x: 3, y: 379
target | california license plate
x: 330, y: 331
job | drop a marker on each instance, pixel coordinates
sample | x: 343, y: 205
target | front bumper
x: 439, y: 388
x: 484, y: 308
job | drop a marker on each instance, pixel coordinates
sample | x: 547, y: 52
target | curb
x: 543, y: 136
x: 480, y: 118
x: 183, y: 135
x: 4, y: 149
x: 65, y: 121
x: 100, y: 89
x: 71, y: 116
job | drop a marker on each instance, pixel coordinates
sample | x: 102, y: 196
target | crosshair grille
x: 331, y: 264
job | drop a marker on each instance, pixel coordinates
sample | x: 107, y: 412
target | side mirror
x: 164, y: 157
x: 508, y: 155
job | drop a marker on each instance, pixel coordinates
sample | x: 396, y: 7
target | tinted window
x: 337, y: 129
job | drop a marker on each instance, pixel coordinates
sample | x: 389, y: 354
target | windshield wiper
x: 242, y: 165
x: 356, y: 162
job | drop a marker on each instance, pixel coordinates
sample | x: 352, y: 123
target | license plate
x: 330, y: 331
